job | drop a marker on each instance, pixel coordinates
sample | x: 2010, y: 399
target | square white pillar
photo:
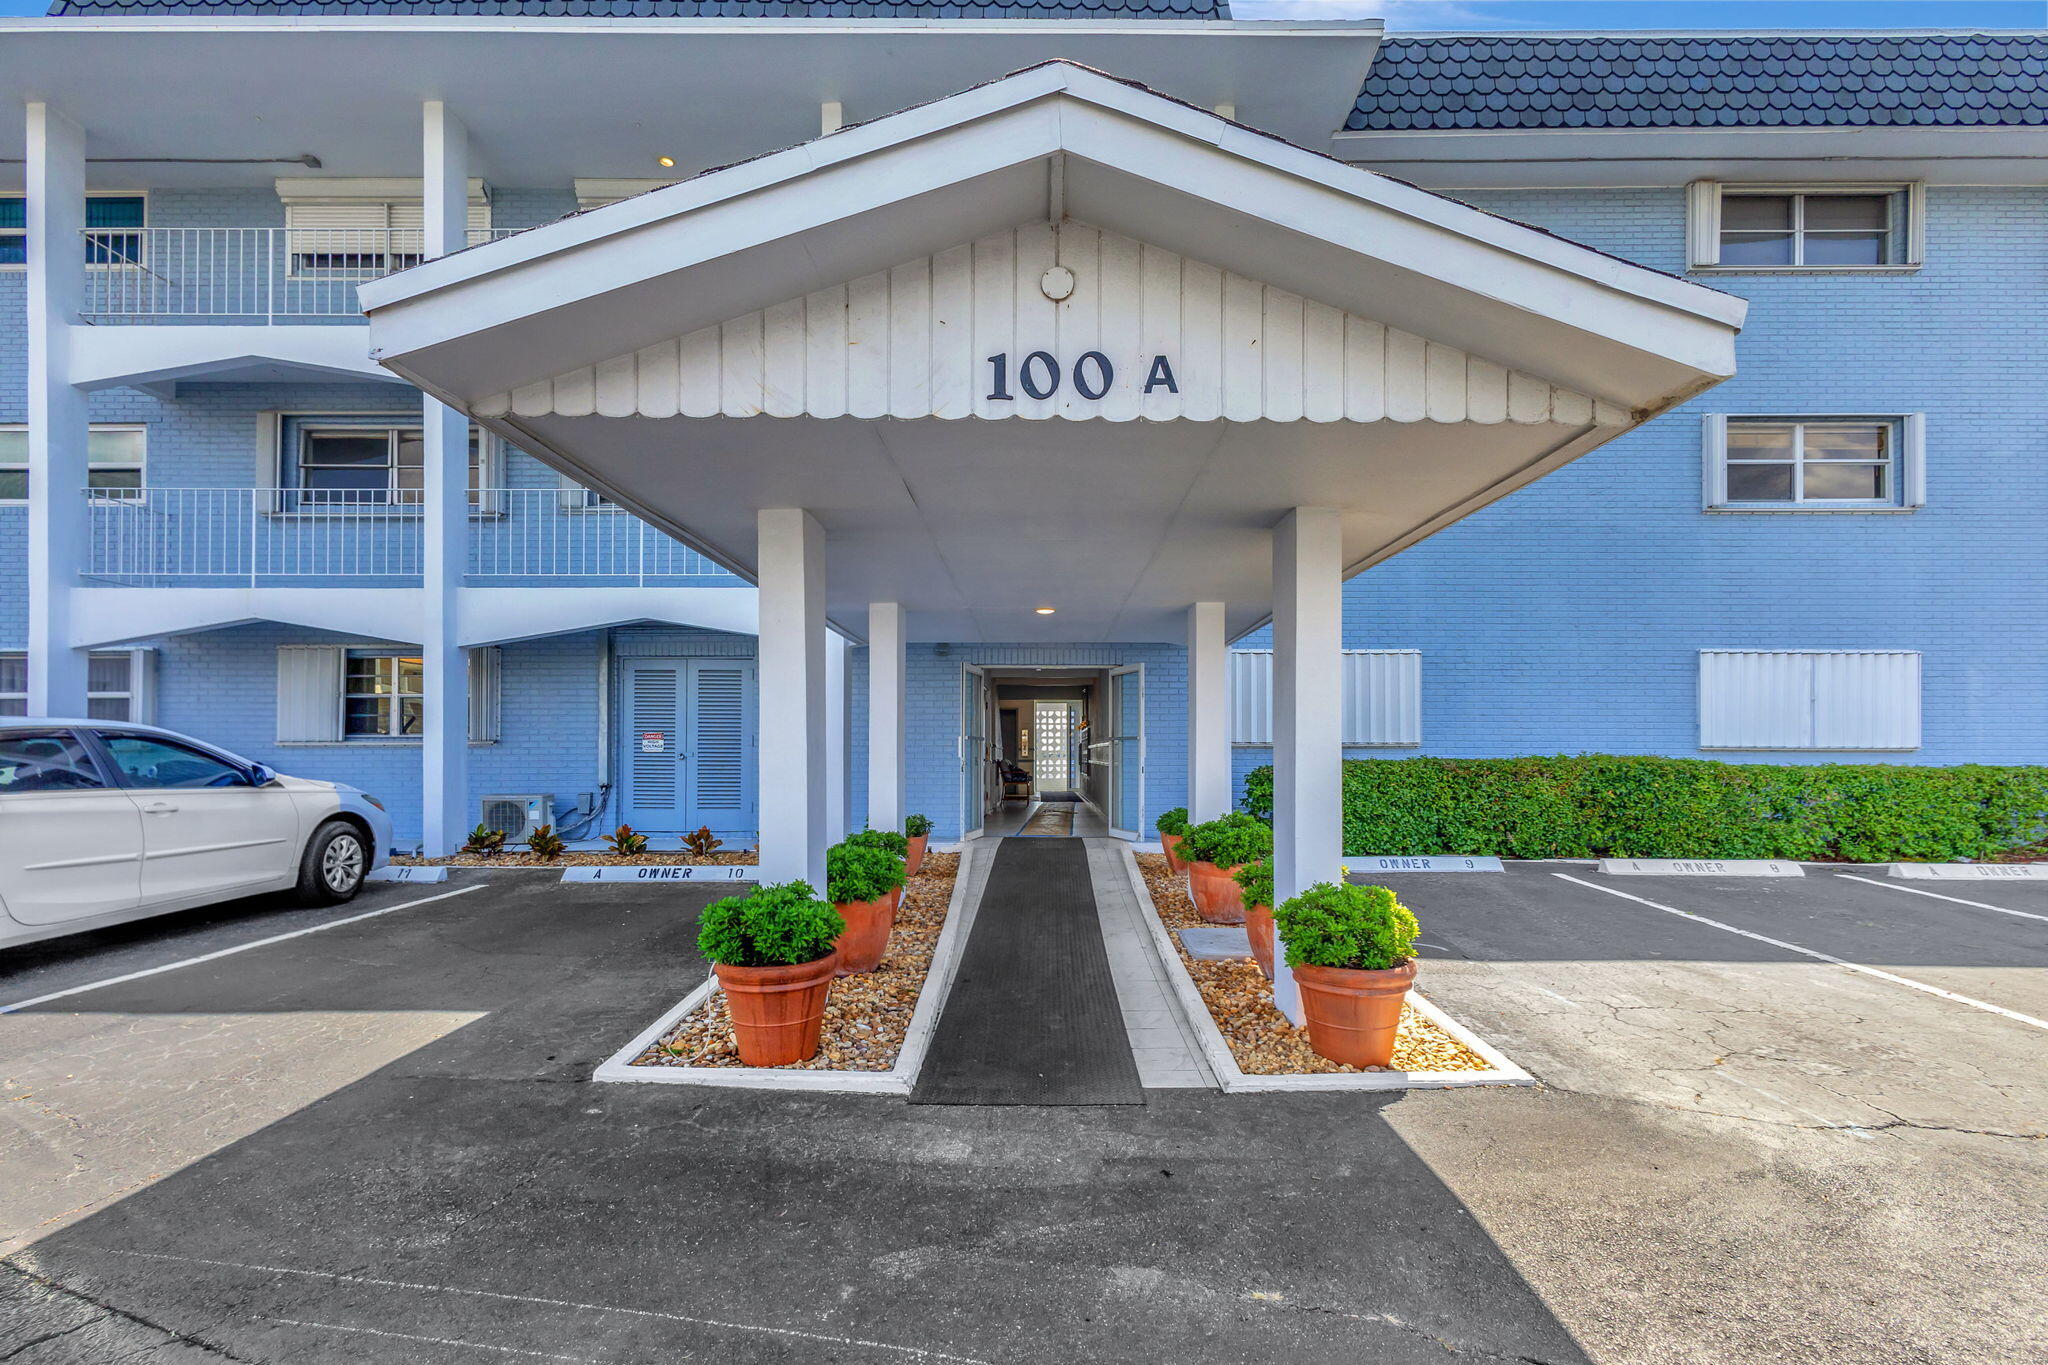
x: 1208, y: 713
x: 1308, y: 725
x: 58, y: 423
x: 444, y: 741
x: 791, y: 572
x: 838, y: 715
x: 886, y: 668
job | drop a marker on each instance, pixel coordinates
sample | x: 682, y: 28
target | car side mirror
x: 261, y: 774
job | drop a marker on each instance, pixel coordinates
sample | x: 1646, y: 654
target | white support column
x: 837, y: 715
x: 58, y: 424
x: 885, y: 715
x: 444, y: 743
x: 1208, y: 713
x: 791, y: 569
x: 1308, y: 724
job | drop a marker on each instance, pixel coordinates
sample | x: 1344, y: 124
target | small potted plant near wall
x: 1352, y: 949
x: 772, y: 950
x: 890, y: 842
x: 918, y: 830
x: 1213, y: 851
x: 1173, y: 827
x: 1255, y: 884
x: 861, y: 881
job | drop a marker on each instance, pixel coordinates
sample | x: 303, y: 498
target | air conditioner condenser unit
x: 518, y: 816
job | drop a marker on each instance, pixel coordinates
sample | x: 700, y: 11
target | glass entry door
x: 977, y: 753
x: 1125, y: 746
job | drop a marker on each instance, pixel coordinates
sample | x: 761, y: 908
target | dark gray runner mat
x: 1032, y: 1017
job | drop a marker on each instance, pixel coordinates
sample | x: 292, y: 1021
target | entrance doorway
x: 1046, y: 736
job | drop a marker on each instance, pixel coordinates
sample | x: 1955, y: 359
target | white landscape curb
x: 411, y: 874
x: 1970, y: 872
x: 898, y: 1080
x: 1699, y: 867
x: 1234, y: 1080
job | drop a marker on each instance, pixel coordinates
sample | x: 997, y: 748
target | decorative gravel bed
x: 1241, y: 1002
x: 744, y: 857
x: 866, y: 1016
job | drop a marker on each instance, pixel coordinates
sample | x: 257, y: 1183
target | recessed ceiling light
x: 1044, y: 611
x: 665, y: 162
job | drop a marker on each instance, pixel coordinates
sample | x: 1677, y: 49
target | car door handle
x: 160, y: 808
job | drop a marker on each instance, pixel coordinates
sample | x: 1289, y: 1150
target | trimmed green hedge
x: 1612, y: 806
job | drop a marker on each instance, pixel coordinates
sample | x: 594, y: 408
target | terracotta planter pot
x: 913, y: 856
x: 1258, y: 927
x: 866, y: 938
x: 777, y: 1012
x: 1217, y: 896
x: 1354, y: 1015
x: 1171, y: 843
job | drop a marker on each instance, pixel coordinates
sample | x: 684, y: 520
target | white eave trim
x: 1013, y: 92
x: 685, y: 25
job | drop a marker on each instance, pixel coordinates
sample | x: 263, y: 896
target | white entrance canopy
x: 1053, y: 342
x: 1233, y: 327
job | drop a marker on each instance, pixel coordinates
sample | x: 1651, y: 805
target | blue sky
x: 1612, y: 14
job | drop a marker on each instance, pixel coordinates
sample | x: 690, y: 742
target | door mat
x: 1059, y: 796
x: 1033, y: 1015
x: 1051, y: 822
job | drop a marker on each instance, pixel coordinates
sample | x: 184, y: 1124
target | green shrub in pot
x: 856, y: 873
x: 1231, y: 841
x: 1336, y: 924
x: 779, y: 925
x: 917, y: 826
x: 1256, y: 881
x: 887, y: 840
x: 1173, y: 821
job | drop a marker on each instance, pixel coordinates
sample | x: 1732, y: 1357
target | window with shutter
x: 1809, y: 699
x: 309, y: 682
x: 1382, y: 698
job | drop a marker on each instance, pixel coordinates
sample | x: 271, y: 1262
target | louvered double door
x: 689, y: 745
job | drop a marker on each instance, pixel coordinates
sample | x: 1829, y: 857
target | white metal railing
x: 242, y: 275
x: 209, y: 537
x: 195, y: 537
x: 557, y: 533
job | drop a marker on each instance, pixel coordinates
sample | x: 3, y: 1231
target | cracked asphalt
x: 379, y: 1142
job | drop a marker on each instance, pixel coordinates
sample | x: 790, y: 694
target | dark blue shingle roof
x: 1782, y: 80
x: 652, y: 9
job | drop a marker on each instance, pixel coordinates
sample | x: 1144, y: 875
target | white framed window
x: 1813, y: 463
x: 333, y: 694
x: 349, y: 228
x: 114, y: 220
x: 1761, y: 227
x: 1826, y: 699
x: 116, y: 459
x: 370, y: 460
x: 577, y: 498
x: 1382, y: 698
x: 119, y: 685
x: 383, y: 695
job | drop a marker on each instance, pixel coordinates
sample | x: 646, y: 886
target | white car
x: 102, y: 822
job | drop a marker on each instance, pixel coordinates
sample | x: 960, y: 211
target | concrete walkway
x: 1162, y: 1039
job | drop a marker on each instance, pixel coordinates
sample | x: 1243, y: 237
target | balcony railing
x: 273, y: 537
x: 245, y: 276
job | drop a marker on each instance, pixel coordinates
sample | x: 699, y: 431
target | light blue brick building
x: 254, y: 533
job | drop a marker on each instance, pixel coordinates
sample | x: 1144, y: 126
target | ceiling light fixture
x: 665, y: 162
x: 1044, y: 611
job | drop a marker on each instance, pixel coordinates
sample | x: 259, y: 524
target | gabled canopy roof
x: 1337, y: 339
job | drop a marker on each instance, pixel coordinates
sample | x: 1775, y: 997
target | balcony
x: 300, y: 538
x: 232, y: 276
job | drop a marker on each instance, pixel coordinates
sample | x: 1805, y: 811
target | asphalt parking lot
x: 378, y: 1141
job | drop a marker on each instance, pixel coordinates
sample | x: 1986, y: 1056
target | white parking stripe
x: 1916, y: 891
x: 1892, y: 977
x: 230, y: 952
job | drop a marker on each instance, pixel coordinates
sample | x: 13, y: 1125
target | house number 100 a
x: 1040, y: 376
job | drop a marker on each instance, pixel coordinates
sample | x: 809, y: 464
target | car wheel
x: 337, y: 859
